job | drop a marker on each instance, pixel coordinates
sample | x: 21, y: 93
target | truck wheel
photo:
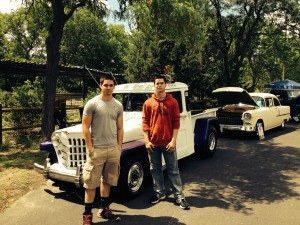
x: 132, y: 177
x: 209, y: 148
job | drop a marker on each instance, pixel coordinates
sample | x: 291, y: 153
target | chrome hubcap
x: 135, y: 177
x: 212, y: 141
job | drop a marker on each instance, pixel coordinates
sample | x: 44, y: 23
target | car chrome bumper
x: 57, y: 171
x: 236, y: 127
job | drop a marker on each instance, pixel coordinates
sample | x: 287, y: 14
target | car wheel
x: 132, y: 177
x: 209, y: 148
x: 283, y: 124
x: 260, y: 130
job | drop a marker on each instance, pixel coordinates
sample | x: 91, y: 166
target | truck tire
x: 132, y: 177
x: 208, y: 149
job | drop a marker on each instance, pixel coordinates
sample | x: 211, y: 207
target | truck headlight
x: 55, y: 140
x: 247, y: 116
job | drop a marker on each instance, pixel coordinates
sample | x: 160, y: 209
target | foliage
x: 91, y: 94
x: 61, y: 12
x: 168, y: 33
x: 26, y: 32
x: 2, y: 37
x: 236, y: 35
x: 29, y: 96
x: 207, y: 43
x: 89, y: 41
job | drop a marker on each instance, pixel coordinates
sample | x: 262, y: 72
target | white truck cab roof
x: 147, y: 87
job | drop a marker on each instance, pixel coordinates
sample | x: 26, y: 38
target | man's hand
x: 171, y: 147
x: 90, y: 151
x: 149, y: 146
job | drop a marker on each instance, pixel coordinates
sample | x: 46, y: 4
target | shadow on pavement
x: 142, y: 219
x: 244, y: 171
x: 67, y: 192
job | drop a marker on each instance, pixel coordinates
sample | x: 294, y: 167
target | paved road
x: 247, y: 182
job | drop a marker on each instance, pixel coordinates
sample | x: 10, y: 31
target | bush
x: 29, y: 95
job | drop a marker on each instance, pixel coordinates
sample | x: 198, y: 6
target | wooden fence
x: 62, y: 108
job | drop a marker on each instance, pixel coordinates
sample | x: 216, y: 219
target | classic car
x: 249, y: 112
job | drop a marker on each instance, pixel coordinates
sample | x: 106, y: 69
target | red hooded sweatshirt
x: 160, y: 117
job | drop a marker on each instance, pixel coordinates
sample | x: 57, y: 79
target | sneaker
x: 107, y: 214
x: 157, y: 198
x: 87, y: 219
x: 183, y: 203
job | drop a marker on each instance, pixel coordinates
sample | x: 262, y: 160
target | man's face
x: 107, y: 87
x: 160, y: 85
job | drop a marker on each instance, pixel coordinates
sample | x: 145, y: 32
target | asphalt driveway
x: 247, y: 182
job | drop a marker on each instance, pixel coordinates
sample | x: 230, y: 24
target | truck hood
x: 233, y: 96
x: 132, y: 127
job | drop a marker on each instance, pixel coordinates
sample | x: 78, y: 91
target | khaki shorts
x: 102, y: 163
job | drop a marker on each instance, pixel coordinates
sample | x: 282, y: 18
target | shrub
x: 29, y: 95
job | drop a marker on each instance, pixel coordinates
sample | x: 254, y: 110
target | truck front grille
x: 76, y: 154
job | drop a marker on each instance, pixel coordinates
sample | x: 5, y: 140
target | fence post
x: 1, y: 142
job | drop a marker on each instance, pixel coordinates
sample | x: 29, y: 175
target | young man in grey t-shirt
x: 102, y: 125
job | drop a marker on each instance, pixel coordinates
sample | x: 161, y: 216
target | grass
x: 17, y: 174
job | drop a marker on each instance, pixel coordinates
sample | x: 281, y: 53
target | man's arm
x: 176, y: 124
x: 146, y: 128
x: 148, y: 144
x: 120, y: 131
x: 172, y: 145
x: 86, y: 123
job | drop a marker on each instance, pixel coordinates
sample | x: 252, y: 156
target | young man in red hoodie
x: 161, y: 121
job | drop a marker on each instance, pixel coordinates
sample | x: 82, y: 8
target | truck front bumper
x: 57, y: 171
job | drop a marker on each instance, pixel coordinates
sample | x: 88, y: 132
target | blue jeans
x: 155, y: 158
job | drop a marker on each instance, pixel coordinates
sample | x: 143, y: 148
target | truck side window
x: 177, y: 96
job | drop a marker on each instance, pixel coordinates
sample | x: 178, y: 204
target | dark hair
x: 159, y: 76
x: 107, y: 77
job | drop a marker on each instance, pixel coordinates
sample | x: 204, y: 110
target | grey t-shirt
x: 104, y: 120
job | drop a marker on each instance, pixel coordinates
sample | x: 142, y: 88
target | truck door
x: 184, y: 144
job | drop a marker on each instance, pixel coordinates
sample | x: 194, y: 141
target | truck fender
x: 48, y: 147
x: 205, y: 137
x: 134, y: 169
x: 201, y: 130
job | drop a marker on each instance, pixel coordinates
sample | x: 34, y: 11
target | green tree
x: 61, y: 12
x: 236, y: 34
x: 169, y: 32
x: 89, y: 41
x: 26, y: 31
x: 2, y: 37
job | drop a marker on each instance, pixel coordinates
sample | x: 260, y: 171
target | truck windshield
x: 132, y: 101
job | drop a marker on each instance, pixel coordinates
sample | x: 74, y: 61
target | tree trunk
x: 52, y: 71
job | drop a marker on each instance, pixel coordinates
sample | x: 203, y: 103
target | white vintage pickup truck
x: 67, y: 151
